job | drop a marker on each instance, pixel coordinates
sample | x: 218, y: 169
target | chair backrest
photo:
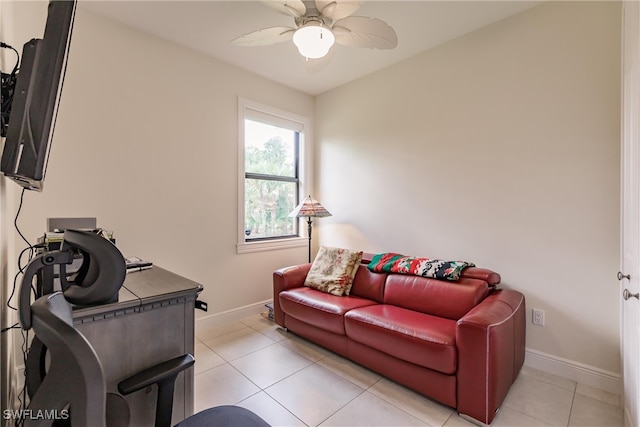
x: 74, y: 380
x: 97, y: 281
x: 102, y: 271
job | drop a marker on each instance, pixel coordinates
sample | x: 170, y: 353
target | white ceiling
x: 209, y: 26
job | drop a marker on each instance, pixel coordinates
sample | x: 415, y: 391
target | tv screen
x: 36, y: 98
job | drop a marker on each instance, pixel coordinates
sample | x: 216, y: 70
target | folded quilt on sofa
x: 425, y: 267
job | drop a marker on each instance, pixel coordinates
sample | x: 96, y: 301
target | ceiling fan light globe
x: 313, y: 41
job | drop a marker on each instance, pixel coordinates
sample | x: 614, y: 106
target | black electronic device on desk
x: 134, y: 263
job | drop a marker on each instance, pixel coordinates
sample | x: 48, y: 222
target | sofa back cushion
x: 368, y: 285
x: 451, y: 300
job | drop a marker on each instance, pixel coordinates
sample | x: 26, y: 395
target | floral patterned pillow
x: 333, y: 270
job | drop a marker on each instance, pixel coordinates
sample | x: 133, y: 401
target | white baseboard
x: 574, y: 371
x: 230, y: 316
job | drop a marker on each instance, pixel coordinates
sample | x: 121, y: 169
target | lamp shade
x: 310, y: 208
x: 313, y: 40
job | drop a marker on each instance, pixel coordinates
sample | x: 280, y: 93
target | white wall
x: 6, y: 317
x: 501, y: 148
x: 146, y: 141
x: 14, y: 31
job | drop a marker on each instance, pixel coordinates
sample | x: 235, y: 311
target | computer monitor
x: 36, y: 99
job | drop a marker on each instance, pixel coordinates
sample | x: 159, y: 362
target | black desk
x: 152, y: 321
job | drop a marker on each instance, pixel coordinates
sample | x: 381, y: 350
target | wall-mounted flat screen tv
x: 36, y: 99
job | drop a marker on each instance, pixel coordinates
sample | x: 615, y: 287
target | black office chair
x: 74, y: 387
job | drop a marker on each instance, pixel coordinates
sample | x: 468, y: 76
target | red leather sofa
x: 460, y: 343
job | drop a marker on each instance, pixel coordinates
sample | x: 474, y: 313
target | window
x: 271, y: 180
x: 272, y: 176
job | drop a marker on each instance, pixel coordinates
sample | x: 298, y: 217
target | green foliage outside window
x: 270, y: 181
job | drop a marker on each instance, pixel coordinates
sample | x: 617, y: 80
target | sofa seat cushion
x: 323, y: 310
x: 419, y: 338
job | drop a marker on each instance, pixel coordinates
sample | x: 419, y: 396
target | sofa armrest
x: 283, y: 279
x: 491, y: 341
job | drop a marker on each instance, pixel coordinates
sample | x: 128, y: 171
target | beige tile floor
x: 289, y: 381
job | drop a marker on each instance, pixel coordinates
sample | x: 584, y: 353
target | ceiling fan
x: 320, y: 23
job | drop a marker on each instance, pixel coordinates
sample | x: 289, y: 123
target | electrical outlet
x: 538, y: 317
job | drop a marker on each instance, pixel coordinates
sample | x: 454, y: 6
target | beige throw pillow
x: 333, y: 270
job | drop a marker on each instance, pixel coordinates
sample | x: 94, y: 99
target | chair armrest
x: 283, y: 279
x: 491, y: 341
x: 164, y: 375
x: 155, y: 374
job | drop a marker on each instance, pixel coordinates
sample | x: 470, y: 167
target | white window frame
x: 246, y: 109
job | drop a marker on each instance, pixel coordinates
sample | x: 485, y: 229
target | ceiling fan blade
x: 362, y: 31
x: 295, y: 8
x: 337, y: 9
x: 265, y: 37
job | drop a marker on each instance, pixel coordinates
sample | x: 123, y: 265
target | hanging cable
x: 30, y: 250
x: 8, y: 86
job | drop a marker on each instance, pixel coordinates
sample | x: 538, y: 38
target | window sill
x: 271, y: 245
